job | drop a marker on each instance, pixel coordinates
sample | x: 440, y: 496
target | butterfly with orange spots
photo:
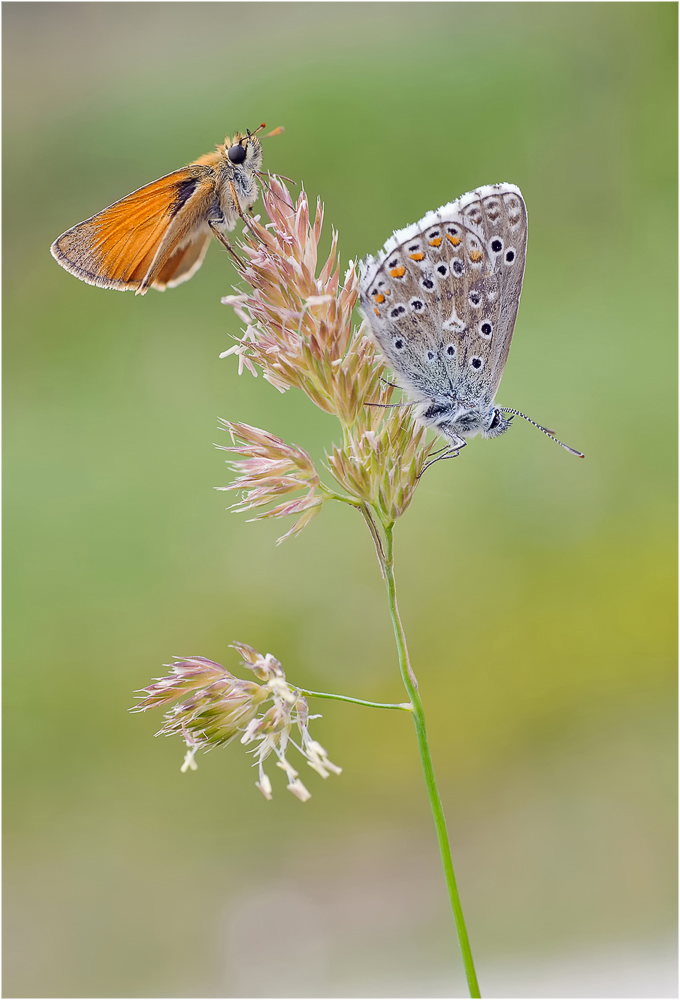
x: 441, y: 301
x: 157, y: 236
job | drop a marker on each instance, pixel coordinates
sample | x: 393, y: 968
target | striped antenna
x: 508, y: 409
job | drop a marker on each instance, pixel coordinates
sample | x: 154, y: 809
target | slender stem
x: 337, y: 496
x: 375, y: 535
x: 411, y: 685
x: 404, y: 706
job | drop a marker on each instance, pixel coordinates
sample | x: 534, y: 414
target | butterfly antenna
x: 258, y: 129
x: 508, y: 409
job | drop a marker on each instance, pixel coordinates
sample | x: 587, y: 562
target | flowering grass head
x: 222, y: 707
x: 299, y: 333
x: 268, y: 469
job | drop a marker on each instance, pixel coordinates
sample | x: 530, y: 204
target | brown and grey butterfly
x: 441, y: 301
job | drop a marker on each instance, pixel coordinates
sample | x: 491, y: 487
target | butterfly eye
x: 496, y: 419
x: 237, y: 153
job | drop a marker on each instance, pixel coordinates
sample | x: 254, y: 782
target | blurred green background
x: 537, y: 591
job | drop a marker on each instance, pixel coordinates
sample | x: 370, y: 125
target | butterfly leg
x: 244, y: 218
x: 273, y: 192
x: 388, y: 406
x: 452, y: 451
x: 225, y: 243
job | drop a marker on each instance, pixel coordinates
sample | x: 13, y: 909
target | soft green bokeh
x: 537, y: 591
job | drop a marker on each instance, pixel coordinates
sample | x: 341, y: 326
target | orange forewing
x: 156, y: 236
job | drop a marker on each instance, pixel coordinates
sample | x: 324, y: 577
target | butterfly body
x: 441, y: 300
x: 157, y: 236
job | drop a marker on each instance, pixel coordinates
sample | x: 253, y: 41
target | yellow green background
x: 537, y: 591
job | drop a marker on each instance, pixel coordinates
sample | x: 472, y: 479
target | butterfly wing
x: 436, y: 298
x: 183, y: 264
x: 500, y: 212
x: 156, y: 236
x: 433, y: 302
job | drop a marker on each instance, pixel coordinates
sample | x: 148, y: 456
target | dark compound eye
x: 496, y: 419
x: 496, y: 246
x: 237, y: 153
x: 510, y: 256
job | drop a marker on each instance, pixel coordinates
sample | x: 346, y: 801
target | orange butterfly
x: 157, y: 237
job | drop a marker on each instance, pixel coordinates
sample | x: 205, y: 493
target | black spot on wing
x: 183, y: 192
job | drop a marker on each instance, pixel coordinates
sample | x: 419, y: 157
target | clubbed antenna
x: 508, y: 409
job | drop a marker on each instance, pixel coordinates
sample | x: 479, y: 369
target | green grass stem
x: 411, y: 685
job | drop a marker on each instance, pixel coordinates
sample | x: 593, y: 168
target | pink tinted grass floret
x: 299, y: 333
x: 221, y: 707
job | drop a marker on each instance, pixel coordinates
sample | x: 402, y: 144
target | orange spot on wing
x: 453, y: 239
x: 417, y: 256
x: 398, y: 272
x: 476, y: 256
x: 436, y: 242
x: 379, y: 297
x: 376, y: 311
